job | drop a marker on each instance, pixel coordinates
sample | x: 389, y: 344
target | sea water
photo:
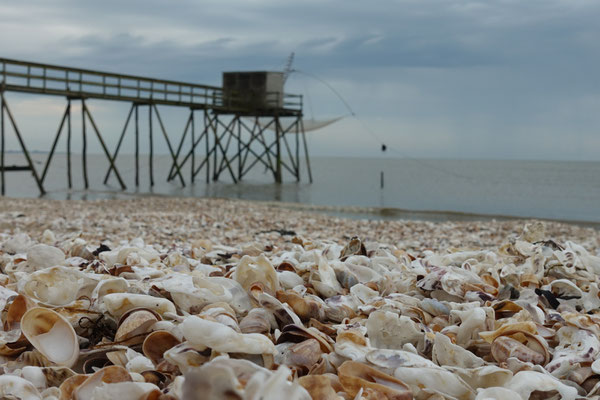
x: 412, y: 188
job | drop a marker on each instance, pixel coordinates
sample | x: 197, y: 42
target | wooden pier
x: 225, y: 132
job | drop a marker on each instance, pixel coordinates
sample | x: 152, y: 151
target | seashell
x: 289, y: 279
x: 303, y: 354
x: 274, y: 385
x: 444, y: 352
x: 93, y: 364
x: 298, y: 333
x: 496, y: 393
x: 108, y: 286
x: 157, y: 343
x: 185, y: 357
x: 126, y: 391
x: 55, y: 376
x: 352, y: 344
x: 258, y: 320
x: 527, y: 382
x: 203, y: 333
x: 256, y: 269
x: 221, y: 312
x: 575, y: 346
x: 483, y: 377
x: 134, y: 324
x: 504, y: 347
x: 15, y: 387
x: 387, y: 330
x: 107, y: 375
x: 434, y: 307
x: 18, y: 243
x: 324, y: 280
x: 354, y: 247
x: 211, y: 382
x: 321, y: 387
x: 35, y: 376
x: 69, y: 385
x: 306, y: 307
x: 118, y: 304
x: 425, y: 381
x: 42, y: 256
x: 355, y: 376
x: 57, y: 285
x: 393, y: 359
x: 282, y: 312
x: 51, y: 334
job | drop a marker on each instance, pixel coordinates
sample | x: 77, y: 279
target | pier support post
x: 69, y: 176
x: 21, y: 142
x: 84, y: 146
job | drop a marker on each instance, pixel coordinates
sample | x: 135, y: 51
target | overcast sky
x: 431, y: 78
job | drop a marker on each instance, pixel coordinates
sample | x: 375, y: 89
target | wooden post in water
x: 2, y: 141
x: 151, y: 157
x: 84, y: 149
x: 137, y: 146
x: 69, y: 176
x: 381, y: 180
x: 278, y: 149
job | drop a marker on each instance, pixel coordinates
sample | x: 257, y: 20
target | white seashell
x: 185, y: 356
x: 15, y: 387
x: 497, y: 393
x: 124, y: 391
x: 526, y: 382
x: 398, y: 358
x: 108, y: 286
x: 51, y: 334
x: 224, y: 339
x: 139, y: 364
x: 43, y: 256
x: 289, y: 279
x: 387, y: 330
x: 256, y: 269
x: 106, y: 375
x: 483, y: 377
x: 446, y: 353
x: 437, y: 380
x: 211, y: 382
x: 118, y: 304
x: 35, y: 375
x: 57, y: 286
x: 275, y: 387
x: 18, y: 243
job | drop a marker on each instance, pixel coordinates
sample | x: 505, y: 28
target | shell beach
x: 165, y: 298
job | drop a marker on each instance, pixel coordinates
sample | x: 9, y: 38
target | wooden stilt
x: 137, y: 146
x: 193, y: 148
x: 298, y: 149
x: 62, y: 123
x: 69, y: 175
x: 3, y: 191
x: 185, y: 130
x: 310, y: 179
x: 22, y: 143
x: 173, y: 156
x: 84, y: 150
x: 119, y: 143
x: 151, y: 157
x: 207, y: 146
x: 106, y: 152
x: 278, y: 150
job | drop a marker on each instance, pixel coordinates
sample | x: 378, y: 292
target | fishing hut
x: 249, y: 121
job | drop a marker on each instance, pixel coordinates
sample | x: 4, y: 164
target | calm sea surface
x: 423, y: 189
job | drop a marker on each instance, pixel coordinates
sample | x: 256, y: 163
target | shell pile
x: 298, y: 319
